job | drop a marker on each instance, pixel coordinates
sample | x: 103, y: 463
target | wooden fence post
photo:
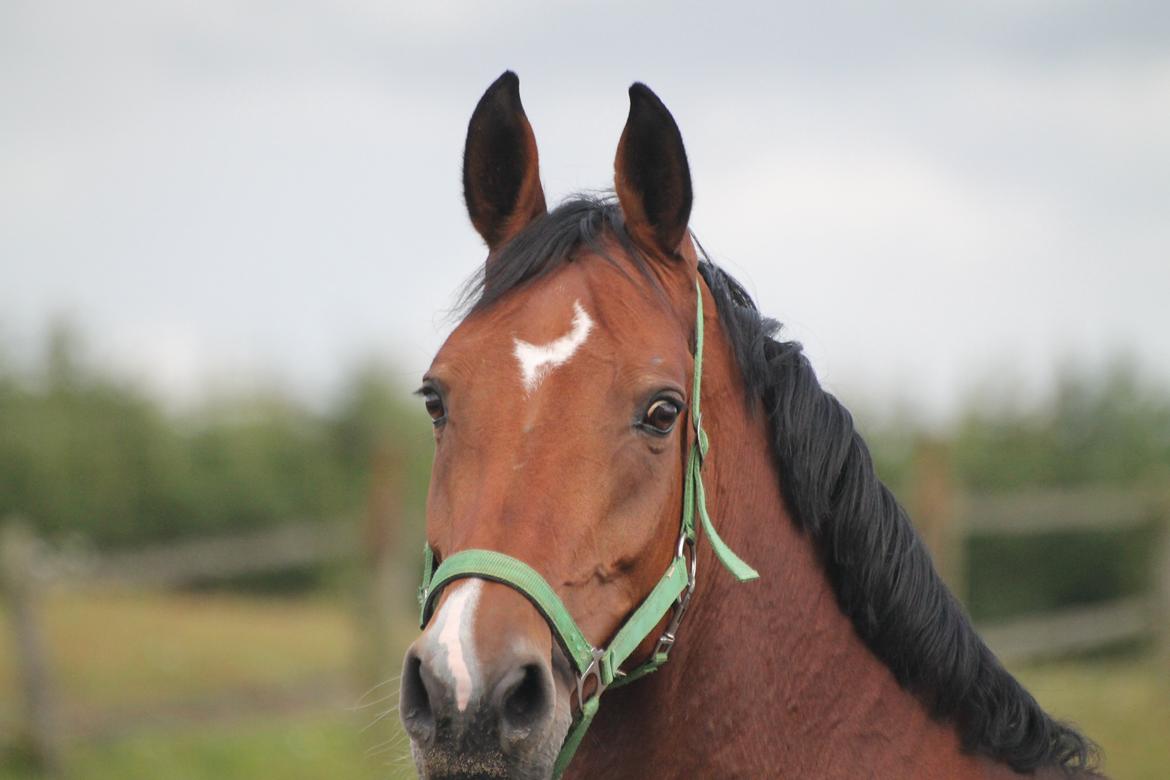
x: 19, y: 550
x: 1162, y: 579
x: 383, y: 585
x: 935, y: 514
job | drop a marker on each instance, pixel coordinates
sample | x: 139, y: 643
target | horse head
x: 567, y: 514
x: 560, y: 410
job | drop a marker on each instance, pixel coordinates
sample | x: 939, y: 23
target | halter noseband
x: 603, y: 665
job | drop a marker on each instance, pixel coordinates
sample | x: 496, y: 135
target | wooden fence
x: 30, y: 569
x: 946, y: 516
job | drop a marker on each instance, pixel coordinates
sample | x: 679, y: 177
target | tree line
x: 86, y: 453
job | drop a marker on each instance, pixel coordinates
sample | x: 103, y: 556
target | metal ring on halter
x: 594, y: 671
x: 685, y: 541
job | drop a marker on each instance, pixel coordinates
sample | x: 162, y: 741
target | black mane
x: 878, y: 566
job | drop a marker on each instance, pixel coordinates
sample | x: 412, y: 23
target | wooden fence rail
x: 277, y: 549
x: 1065, y: 631
x: 947, y: 519
x: 1093, y: 625
x: 1035, y: 512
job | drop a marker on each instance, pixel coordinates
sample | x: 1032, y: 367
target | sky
x: 940, y: 200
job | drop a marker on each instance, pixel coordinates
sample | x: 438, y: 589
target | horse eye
x: 434, y: 404
x: 661, y: 416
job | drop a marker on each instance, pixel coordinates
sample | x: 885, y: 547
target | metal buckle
x: 667, y: 640
x: 594, y: 671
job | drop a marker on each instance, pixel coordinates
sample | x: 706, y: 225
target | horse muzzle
x: 478, y: 693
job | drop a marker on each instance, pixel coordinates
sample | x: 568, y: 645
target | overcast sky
x: 927, y: 196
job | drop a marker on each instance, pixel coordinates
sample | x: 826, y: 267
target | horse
x: 639, y: 490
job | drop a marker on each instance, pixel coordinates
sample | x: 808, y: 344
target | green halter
x: 603, y: 665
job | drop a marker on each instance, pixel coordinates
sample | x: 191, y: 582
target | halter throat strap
x: 601, y: 666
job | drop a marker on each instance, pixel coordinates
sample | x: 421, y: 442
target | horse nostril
x: 414, y: 706
x: 524, y: 699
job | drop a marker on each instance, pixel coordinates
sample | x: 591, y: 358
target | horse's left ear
x: 651, y: 175
x: 501, y: 171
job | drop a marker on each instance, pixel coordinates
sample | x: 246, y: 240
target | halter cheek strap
x: 674, y: 589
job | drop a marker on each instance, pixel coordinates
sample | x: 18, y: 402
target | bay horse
x: 615, y: 426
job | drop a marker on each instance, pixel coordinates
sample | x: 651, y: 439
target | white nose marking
x: 537, y: 361
x: 453, y: 629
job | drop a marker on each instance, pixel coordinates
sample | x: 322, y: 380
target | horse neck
x: 768, y: 677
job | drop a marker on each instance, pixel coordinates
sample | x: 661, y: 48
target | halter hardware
x: 594, y: 671
x: 673, y: 590
x: 666, y: 641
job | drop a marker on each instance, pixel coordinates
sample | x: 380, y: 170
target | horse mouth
x: 440, y: 764
x: 478, y: 755
x: 448, y: 764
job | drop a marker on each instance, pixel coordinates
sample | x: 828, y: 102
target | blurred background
x: 230, y: 234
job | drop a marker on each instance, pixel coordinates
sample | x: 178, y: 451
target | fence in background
x: 29, y: 569
x: 947, y: 517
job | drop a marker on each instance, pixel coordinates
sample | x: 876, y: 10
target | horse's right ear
x: 501, y: 172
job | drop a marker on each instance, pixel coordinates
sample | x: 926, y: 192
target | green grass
x: 136, y: 671
x: 126, y: 651
x: 120, y: 658
x: 1122, y: 703
x: 308, y: 747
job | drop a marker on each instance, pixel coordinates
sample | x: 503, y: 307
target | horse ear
x: 651, y: 174
x: 501, y: 172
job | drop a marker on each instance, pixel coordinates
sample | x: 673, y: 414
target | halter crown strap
x: 603, y: 665
x: 694, y: 496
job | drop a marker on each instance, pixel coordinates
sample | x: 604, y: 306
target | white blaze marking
x: 453, y: 629
x: 537, y: 361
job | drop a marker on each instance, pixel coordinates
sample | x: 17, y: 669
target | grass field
x: 186, y: 687
x: 117, y: 651
x: 301, y: 747
x: 1123, y: 704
